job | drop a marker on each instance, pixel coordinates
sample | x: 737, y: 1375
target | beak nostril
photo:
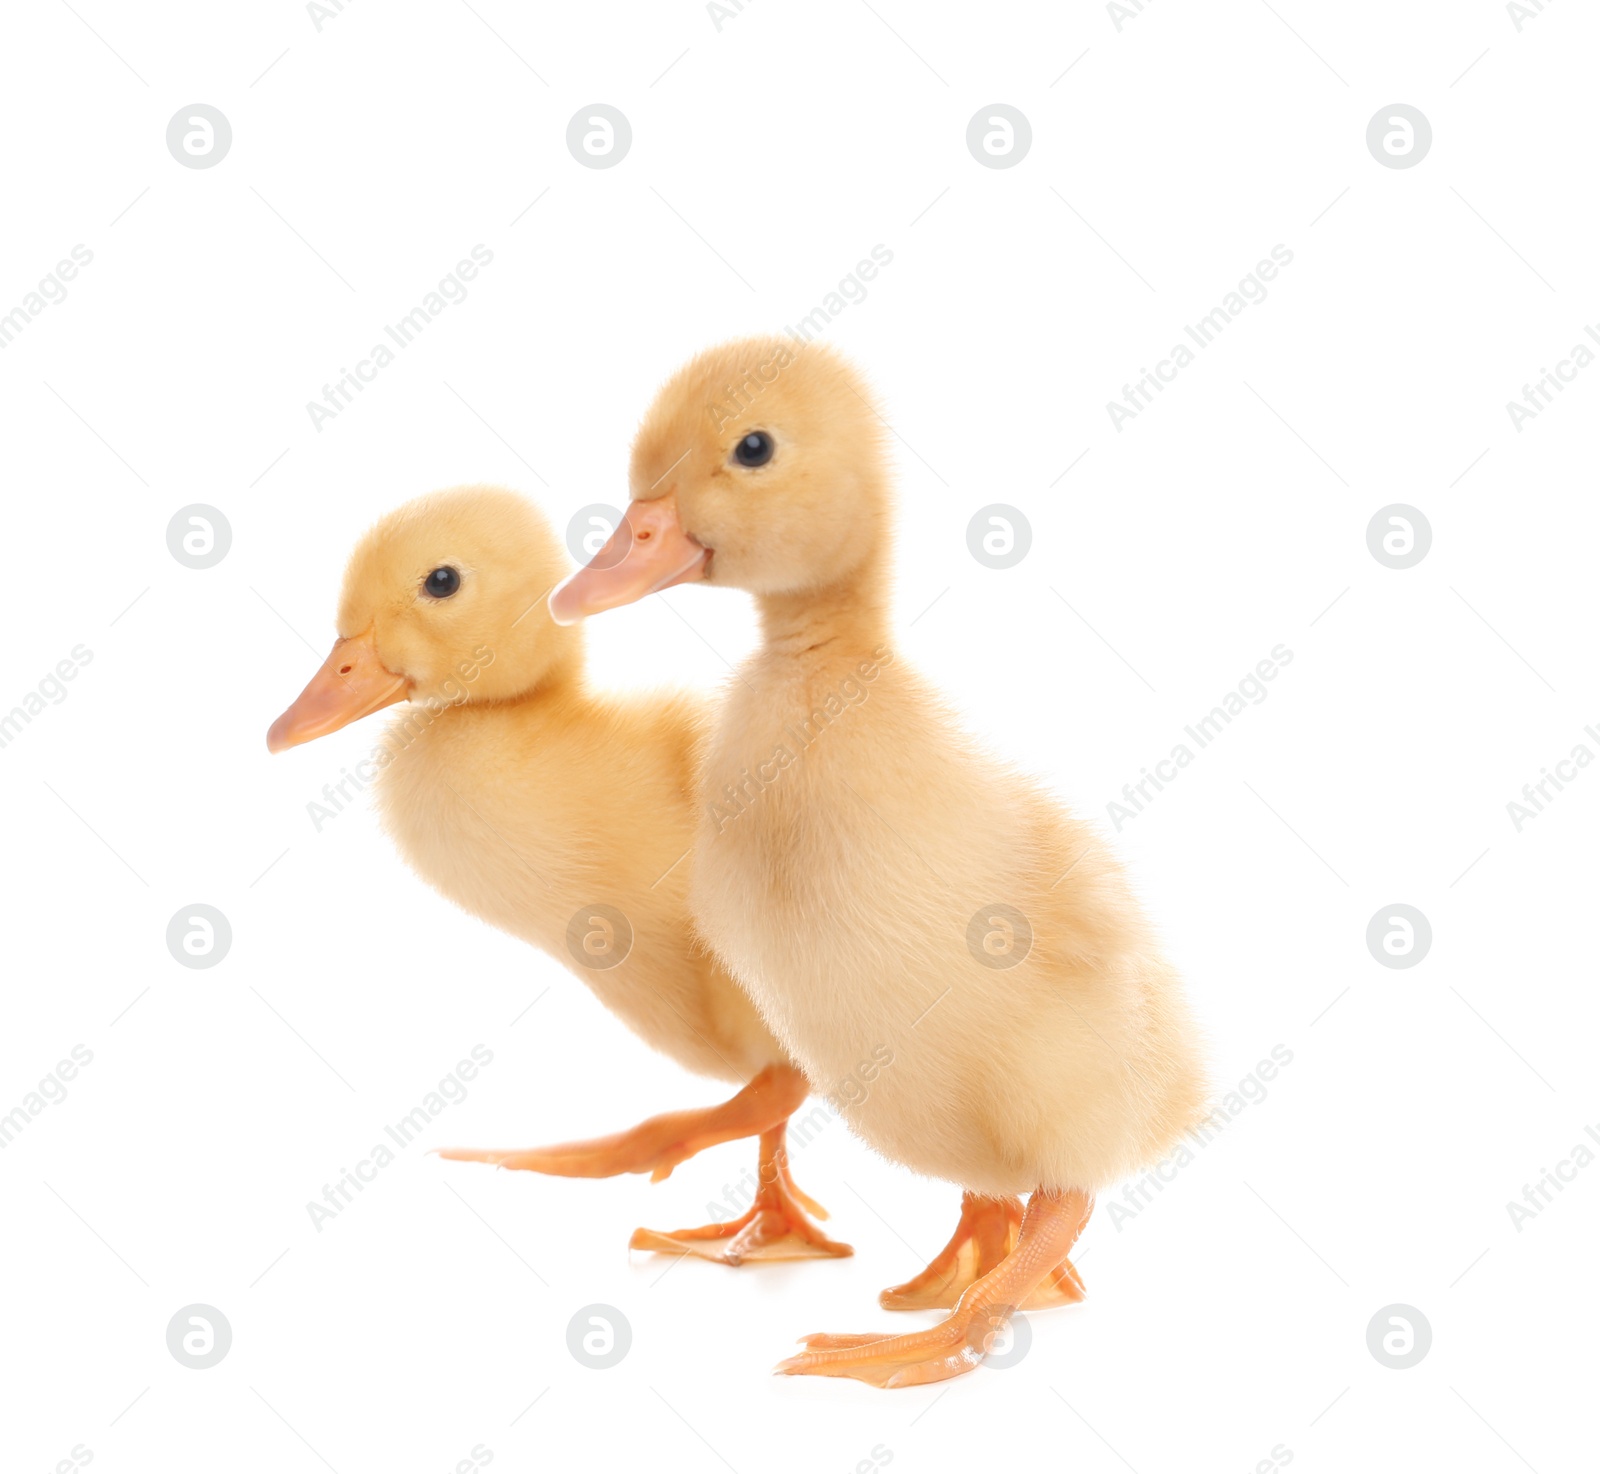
x: 345, y: 670
x: 644, y: 535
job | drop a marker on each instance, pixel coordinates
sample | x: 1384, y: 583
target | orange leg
x: 762, y: 1108
x: 1050, y: 1226
x: 986, y: 1233
x: 658, y: 1145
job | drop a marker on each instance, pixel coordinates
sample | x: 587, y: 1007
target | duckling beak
x: 649, y: 551
x: 351, y: 684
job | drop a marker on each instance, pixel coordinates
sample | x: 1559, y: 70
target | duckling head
x: 760, y: 466
x: 443, y: 602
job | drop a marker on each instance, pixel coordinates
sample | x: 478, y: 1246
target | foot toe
x: 492, y: 1155
x: 822, y: 1341
x: 879, y: 1363
x: 887, y: 1361
x: 1062, y: 1287
x: 920, y: 1297
x: 748, y: 1239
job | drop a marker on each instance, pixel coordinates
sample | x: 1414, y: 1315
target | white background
x: 1228, y: 1317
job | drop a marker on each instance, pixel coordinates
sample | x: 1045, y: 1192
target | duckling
x: 560, y: 815
x: 882, y: 886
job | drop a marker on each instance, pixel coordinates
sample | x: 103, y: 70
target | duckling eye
x: 754, y: 450
x: 441, y: 583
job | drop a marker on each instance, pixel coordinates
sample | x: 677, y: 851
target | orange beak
x: 649, y: 551
x: 352, y: 683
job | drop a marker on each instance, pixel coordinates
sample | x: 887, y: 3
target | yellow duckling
x: 881, y: 886
x: 559, y: 815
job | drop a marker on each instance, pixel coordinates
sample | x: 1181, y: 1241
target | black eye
x: 754, y: 450
x: 441, y: 583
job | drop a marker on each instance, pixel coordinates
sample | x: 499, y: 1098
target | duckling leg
x: 986, y: 1233
x: 1050, y: 1226
x: 775, y: 1227
x: 658, y: 1145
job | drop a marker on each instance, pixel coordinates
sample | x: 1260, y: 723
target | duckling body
x: 853, y: 900
x: 882, y: 887
x: 525, y: 812
x: 561, y: 815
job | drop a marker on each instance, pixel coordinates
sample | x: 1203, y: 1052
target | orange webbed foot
x: 955, y: 1346
x: 1035, y: 1260
x: 776, y: 1226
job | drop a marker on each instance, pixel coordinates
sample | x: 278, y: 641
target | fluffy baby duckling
x: 560, y: 815
x: 877, y: 881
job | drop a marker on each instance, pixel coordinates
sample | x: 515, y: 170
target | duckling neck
x: 459, y: 777
x: 844, y: 618
x: 449, y: 733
